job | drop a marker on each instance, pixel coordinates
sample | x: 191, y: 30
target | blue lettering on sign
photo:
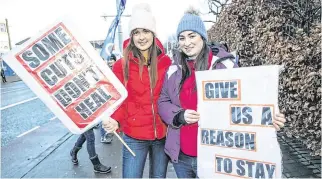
x: 229, y: 139
x: 221, y: 90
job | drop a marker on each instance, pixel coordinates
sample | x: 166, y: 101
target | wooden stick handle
x: 120, y: 138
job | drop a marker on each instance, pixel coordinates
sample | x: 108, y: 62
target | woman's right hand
x: 110, y: 125
x: 191, y: 116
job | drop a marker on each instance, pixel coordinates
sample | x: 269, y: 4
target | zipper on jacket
x: 153, y: 112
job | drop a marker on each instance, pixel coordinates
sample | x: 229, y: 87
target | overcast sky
x: 27, y: 17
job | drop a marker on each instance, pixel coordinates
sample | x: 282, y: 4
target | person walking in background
x: 89, y: 137
x: 3, y: 76
x: 141, y: 70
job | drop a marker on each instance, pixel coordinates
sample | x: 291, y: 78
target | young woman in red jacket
x: 142, y: 71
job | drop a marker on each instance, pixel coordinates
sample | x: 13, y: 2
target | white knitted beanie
x: 142, y: 17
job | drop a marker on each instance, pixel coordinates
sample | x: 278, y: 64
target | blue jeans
x: 90, y: 138
x: 133, y: 166
x: 103, y: 132
x: 186, y: 166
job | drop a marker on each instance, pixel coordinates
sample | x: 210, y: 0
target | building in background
x: 5, y: 46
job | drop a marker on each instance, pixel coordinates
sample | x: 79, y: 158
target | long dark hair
x: 152, y: 61
x: 201, y: 63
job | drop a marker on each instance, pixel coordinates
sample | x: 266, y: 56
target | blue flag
x: 109, y: 41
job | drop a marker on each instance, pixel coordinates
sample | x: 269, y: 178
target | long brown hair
x: 152, y: 62
x: 201, y: 63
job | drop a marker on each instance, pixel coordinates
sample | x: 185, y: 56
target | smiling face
x: 190, y: 43
x: 142, y: 39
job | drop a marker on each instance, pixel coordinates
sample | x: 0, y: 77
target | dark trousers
x: 90, y: 138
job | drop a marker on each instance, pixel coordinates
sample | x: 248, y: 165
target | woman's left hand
x: 278, y: 121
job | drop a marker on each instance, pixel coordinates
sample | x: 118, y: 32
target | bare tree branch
x: 216, y: 6
x: 210, y: 21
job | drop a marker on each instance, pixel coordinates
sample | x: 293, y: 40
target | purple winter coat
x: 169, y: 102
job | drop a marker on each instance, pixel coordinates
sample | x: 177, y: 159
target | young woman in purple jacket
x: 178, y: 100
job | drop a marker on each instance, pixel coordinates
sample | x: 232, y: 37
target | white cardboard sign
x: 236, y: 138
x: 68, y: 75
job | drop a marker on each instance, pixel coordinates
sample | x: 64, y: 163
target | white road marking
x: 28, y: 131
x: 15, y: 87
x: 15, y: 104
x: 20, y: 89
x: 52, y: 118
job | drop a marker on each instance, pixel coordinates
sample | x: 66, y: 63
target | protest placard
x: 68, y: 75
x: 236, y: 137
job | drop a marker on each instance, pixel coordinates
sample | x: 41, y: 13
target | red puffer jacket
x: 138, y: 115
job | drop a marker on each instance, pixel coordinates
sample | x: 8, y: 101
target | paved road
x: 21, y: 111
x: 35, y: 144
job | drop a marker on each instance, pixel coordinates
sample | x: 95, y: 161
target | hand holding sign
x: 191, y: 116
x: 278, y: 121
x: 110, y: 125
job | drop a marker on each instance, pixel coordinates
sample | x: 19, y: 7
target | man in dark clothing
x: 3, y: 76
